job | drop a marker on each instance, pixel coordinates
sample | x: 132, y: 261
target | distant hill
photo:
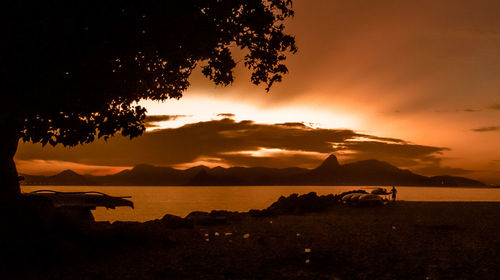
x: 452, y: 181
x: 67, y: 177
x: 329, y: 173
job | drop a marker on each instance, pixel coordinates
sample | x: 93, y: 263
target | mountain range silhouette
x: 329, y: 173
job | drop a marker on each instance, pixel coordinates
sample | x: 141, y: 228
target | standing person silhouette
x: 394, y: 192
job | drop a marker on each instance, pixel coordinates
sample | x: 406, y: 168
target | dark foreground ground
x: 405, y: 240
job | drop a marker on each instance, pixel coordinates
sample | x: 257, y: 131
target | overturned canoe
x: 348, y: 196
x: 351, y: 197
x: 380, y: 191
x: 89, y: 200
x: 362, y: 199
x: 369, y: 200
x: 355, y: 197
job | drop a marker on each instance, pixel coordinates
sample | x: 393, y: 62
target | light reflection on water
x: 154, y: 202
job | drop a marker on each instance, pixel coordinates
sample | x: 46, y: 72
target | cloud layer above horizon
x: 227, y: 142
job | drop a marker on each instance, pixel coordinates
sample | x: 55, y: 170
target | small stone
x: 216, y: 234
x: 228, y: 233
x: 307, y: 250
x: 307, y: 261
x: 298, y: 234
x: 246, y: 235
x: 207, y: 239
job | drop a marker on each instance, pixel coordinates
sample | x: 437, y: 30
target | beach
x: 404, y: 240
x: 242, y: 140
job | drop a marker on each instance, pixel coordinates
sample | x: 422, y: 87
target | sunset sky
x: 415, y: 84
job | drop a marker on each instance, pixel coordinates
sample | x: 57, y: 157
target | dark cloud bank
x: 242, y: 144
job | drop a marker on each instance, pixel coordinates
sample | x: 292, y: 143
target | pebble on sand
x: 216, y: 234
x: 246, y: 235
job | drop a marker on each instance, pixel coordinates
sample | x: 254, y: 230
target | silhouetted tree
x: 72, y: 71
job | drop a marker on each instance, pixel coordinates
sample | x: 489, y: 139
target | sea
x: 154, y: 202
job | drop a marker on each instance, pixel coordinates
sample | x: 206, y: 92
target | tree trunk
x: 9, y: 182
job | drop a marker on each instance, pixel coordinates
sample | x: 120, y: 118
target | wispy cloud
x: 472, y: 110
x: 466, y: 110
x: 486, y: 129
x: 152, y: 120
x: 226, y: 115
x: 494, y: 107
x: 163, y: 118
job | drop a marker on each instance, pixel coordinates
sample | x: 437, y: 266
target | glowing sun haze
x: 415, y: 83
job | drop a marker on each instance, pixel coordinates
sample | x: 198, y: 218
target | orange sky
x: 424, y: 72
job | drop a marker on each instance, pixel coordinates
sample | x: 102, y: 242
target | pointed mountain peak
x: 330, y: 163
x: 68, y: 172
x: 198, y: 167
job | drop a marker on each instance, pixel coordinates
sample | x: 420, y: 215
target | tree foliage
x: 75, y: 69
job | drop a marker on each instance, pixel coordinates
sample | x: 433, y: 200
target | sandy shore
x: 405, y: 240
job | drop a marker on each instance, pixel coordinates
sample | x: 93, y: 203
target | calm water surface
x: 154, y: 202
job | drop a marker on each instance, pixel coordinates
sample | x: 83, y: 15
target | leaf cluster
x: 75, y: 69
